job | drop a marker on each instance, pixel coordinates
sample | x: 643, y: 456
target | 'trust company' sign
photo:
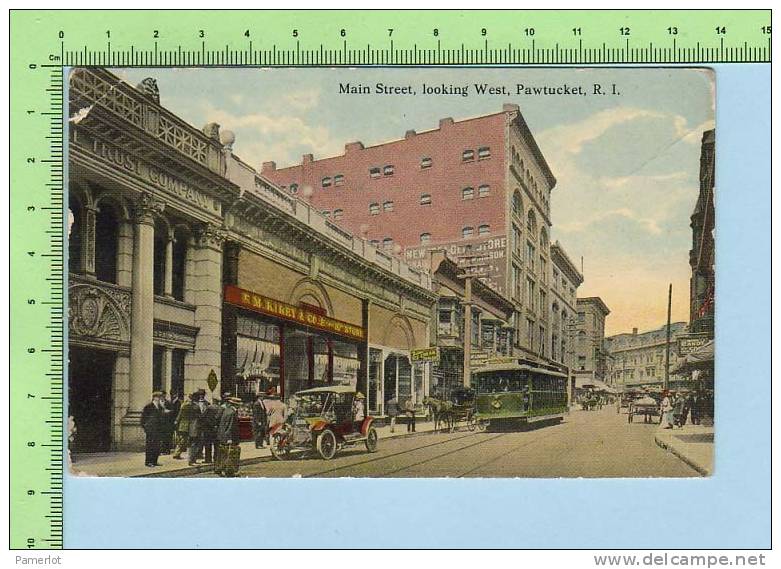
x: 298, y: 314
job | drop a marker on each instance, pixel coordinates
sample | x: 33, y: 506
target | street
x: 587, y: 444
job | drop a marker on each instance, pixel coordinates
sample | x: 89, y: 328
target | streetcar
x: 516, y: 392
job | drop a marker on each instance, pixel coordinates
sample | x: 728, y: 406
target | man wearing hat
x: 228, y: 439
x: 153, y: 423
x: 358, y: 410
x: 187, y: 413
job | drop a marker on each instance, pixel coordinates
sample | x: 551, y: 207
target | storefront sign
x: 689, y: 343
x: 298, y: 314
x: 425, y: 354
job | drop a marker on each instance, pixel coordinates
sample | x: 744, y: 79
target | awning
x: 700, y: 358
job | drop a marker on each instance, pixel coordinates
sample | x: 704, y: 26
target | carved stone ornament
x: 208, y: 235
x: 146, y: 207
x: 212, y: 130
x: 149, y: 89
x: 98, y: 312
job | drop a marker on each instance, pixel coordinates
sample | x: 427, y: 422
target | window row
x: 336, y: 215
x: 337, y: 180
x: 469, y: 231
x: 386, y: 244
x: 374, y: 208
x: 482, y: 153
x: 483, y: 191
x: 377, y: 172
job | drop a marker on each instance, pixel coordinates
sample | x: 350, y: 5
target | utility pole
x: 467, y: 331
x: 667, y: 344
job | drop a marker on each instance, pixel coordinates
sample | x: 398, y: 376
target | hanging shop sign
x: 298, y: 314
x: 690, y: 343
x: 425, y: 354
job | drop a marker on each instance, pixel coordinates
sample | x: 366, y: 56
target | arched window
x: 517, y: 204
x: 106, y: 230
x: 338, y: 213
x: 467, y: 193
x: 425, y: 238
x: 484, y: 229
x: 467, y: 232
x: 484, y: 191
x: 425, y: 199
x: 293, y: 188
x: 374, y: 208
x: 387, y: 243
x: 387, y: 206
x: 326, y: 182
x: 531, y: 223
x: 543, y: 239
x: 75, y: 224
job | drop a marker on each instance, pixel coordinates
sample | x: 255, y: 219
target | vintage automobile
x: 322, y: 420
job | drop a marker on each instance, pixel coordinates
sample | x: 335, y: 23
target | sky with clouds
x: 627, y: 166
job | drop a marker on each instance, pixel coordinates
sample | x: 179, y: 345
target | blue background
x: 730, y: 509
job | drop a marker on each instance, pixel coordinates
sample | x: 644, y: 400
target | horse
x: 441, y: 412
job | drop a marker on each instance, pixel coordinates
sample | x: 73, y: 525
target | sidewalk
x: 693, y: 444
x: 131, y: 464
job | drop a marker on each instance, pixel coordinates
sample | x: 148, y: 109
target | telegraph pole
x: 667, y: 344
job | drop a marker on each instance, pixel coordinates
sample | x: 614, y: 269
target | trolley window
x: 501, y: 381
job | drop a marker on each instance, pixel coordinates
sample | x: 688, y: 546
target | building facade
x: 591, y: 351
x: 475, y: 187
x: 702, y: 254
x: 474, y: 325
x: 565, y: 280
x: 638, y: 359
x: 183, y: 261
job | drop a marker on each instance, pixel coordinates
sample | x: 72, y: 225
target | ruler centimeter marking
x: 236, y: 38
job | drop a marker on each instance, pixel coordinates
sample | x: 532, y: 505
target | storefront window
x: 257, y: 355
x: 419, y: 384
x: 398, y: 378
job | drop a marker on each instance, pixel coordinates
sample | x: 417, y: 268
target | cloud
x: 303, y: 99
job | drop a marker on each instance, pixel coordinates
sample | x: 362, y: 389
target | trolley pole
x: 667, y: 344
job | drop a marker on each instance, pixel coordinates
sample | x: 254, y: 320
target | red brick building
x: 478, y: 186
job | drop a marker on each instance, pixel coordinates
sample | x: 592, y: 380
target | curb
x: 672, y: 449
x: 205, y: 468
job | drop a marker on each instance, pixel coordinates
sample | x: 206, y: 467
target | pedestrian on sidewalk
x: 153, y: 422
x: 183, y: 419
x: 409, y: 408
x: 196, y: 440
x: 259, y: 421
x: 667, y: 410
x: 392, y: 410
x: 687, y: 401
x: 228, y: 439
x: 678, y: 410
x: 694, y: 405
x: 173, y: 406
x: 275, y: 408
x: 208, y: 431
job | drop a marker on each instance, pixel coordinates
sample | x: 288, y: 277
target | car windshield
x: 312, y: 404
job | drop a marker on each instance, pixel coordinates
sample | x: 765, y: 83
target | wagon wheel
x: 371, y: 440
x: 471, y: 423
x: 282, y: 453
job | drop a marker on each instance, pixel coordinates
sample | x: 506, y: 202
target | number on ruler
x: 721, y: 30
x: 625, y: 31
x: 672, y: 30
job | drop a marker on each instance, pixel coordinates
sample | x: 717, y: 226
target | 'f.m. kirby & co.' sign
x: 298, y: 314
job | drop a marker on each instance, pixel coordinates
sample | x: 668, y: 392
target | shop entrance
x: 90, y: 377
x: 398, y: 378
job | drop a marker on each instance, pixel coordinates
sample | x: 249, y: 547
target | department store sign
x: 124, y: 160
x: 298, y: 314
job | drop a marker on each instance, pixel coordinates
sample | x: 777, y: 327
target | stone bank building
x: 183, y: 260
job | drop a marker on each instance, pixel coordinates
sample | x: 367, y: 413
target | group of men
x: 203, y: 430
x: 677, y: 407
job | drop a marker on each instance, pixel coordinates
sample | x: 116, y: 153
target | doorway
x: 90, y: 378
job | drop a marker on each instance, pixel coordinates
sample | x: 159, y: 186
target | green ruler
x: 43, y: 42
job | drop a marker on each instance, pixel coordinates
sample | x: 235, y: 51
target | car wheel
x: 371, y: 440
x: 326, y: 444
x: 277, y: 451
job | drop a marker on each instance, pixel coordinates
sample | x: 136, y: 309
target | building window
x: 484, y: 152
x: 425, y: 162
x: 468, y: 155
x: 326, y: 182
x: 179, y: 263
x: 530, y: 293
x: 106, y: 244
x: 327, y: 213
x: 374, y: 209
x: 375, y: 242
x: 517, y: 204
x: 425, y: 199
x: 338, y: 213
x: 387, y: 206
x: 484, y: 191
x: 425, y: 238
x: 531, y: 223
x: 387, y: 243
x: 517, y: 283
x: 530, y: 333
x: 467, y: 193
x: 374, y: 172
x: 339, y: 180
x: 388, y: 170
x: 530, y: 253
x: 543, y: 269
x: 543, y: 302
x: 484, y: 229
x: 517, y: 247
x: 160, y: 247
x: 467, y: 232
x: 542, y: 341
x: 293, y: 188
x: 582, y: 318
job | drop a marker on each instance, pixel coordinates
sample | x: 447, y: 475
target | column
x: 167, y: 368
x: 88, y: 241
x: 205, y: 292
x: 142, y: 312
x: 467, y: 304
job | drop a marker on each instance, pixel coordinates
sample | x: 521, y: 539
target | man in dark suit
x: 153, y: 421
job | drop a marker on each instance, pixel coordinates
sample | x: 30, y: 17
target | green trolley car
x: 517, y: 392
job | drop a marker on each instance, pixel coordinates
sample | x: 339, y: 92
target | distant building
x: 701, y: 256
x: 639, y: 358
x: 564, y: 313
x: 590, y: 349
